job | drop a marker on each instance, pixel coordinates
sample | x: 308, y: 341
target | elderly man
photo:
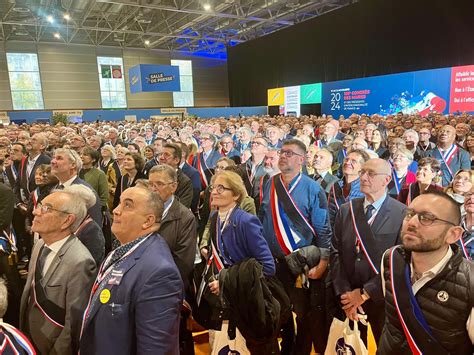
x: 364, y: 229
x: 207, y: 158
x: 424, y: 145
x: 227, y: 148
x: 65, y: 166
x: 322, y: 163
x: 244, y: 140
x: 429, y: 303
x: 452, y: 157
x: 411, y: 138
x: 13, y: 341
x: 294, y: 214
x: 135, y: 303
x: 271, y: 162
x: 273, y: 135
x: 60, y: 273
x: 178, y: 228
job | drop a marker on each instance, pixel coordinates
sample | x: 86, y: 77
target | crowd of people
x: 122, y: 237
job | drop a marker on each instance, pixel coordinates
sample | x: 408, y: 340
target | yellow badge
x: 104, y: 296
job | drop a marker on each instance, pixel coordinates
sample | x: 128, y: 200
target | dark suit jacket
x: 90, y: 234
x: 10, y: 175
x: 95, y: 212
x: 211, y: 160
x: 193, y: 174
x: 178, y: 228
x: 122, y: 184
x: 7, y: 203
x: 184, y: 191
x: 142, y: 314
x: 327, y: 182
x: 26, y: 183
x: 347, y: 272
x: 461, y: 160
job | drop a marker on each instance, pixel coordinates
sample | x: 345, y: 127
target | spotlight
x: 50, y: 19
x: 57, y: 35
x: 147, y: 43
x: 207, y: 7
x: 67, y: 17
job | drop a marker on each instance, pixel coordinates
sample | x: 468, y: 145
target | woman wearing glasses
x: 427, y: 179
x: 462, y: 184
x: 235, y: 235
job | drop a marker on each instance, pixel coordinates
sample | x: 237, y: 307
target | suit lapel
x: 57, y: 260
x: 382, y: 216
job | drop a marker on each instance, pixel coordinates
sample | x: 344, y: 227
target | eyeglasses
x: 226, y: 143
x: 425, y: 218
x: 371, y: 174
x: 47, y: 208
x: 256, y: 143
x: 219, y: 188
x: 288, y: 153
x: 160, y: 184
x: 220, y: 167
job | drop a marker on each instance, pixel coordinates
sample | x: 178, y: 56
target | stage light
x: 207, y: 7
x: 57, y: 35
x: 67, y: 17
x: 50, y: 19
x: 147, y: 43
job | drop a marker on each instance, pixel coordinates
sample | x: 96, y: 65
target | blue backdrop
x: 151, y: 77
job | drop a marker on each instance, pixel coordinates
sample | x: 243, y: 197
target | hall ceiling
x: 197, y: 26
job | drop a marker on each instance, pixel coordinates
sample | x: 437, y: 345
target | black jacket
x: 184, y: 191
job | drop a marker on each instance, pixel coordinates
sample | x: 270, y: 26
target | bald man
x: 364, y: 229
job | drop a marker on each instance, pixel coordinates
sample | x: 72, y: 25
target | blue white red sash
x: 11, y: 239
x: 282, y: 208
x: 14, y: 172
x: 448, y: 157
x: 417, y: 331
x: 19, y: 337
x: 464, y: 248
x: 396, y: 181
x: 202, y: 169
x: 366, y: 246
x: 35, y: 196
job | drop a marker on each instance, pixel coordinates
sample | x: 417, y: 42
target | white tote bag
x: 222, y: 345
x: 343, y: 340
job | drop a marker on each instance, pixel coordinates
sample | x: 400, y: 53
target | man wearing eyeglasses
x: 364, y: 228
x: 294, y: 214
x: 60, y: 273
x: 228, y: 150
x: 428, y: 285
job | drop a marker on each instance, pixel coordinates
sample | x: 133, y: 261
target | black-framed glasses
x: 425, y: 218
x: 47, y: 208
x: 218, y: 188
x: 288, y: 153
x: 371, y: 174
x: 257, y: 143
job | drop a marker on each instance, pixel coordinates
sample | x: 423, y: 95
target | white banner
x: 173, y: 110
x: 69, y: 113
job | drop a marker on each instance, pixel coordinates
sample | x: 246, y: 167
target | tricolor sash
x: 35, y: 197
x: 364, y: 237
x: 283, y: 209
x: 463, y: 244
x: 202, y: 168
x: 417, y: 331
x: 448, y: 157
x: 20, y: 338
x: 396, y: 181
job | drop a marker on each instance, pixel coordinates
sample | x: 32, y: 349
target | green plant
x: 59, y: 118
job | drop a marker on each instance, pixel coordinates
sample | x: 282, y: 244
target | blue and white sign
x: 151, y: 77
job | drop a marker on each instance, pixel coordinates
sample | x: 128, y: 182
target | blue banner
x: 414, y: 92
x: 151, y: 77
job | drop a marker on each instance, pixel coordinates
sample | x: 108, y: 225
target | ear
x: 454, y: 234
x: 150, y: 221
x: 68, y: 222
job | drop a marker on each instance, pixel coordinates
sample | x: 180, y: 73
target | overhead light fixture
x: 21, y: 9
x: 207, y: 7
x: 147, y: 42
x: 57, y: 35
x: 67, y: 17
x: 50, y: 19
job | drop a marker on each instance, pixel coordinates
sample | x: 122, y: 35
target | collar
x: 377, y: 204
x: 57, y: 245
x: 435, y: 270
x: 34, y: 159
x: 69, y: 182
x: 181, y: 165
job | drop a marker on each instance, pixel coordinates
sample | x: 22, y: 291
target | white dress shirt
x: 54, y: 247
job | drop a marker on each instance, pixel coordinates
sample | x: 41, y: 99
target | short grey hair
x: 111, y: 149
x: 164, y: 168
x: 43, y: 138
x: 154, y: 202
x: 3, y: 297
x: 81, y: 198
x: 72, y: 155
x: 413, y: 132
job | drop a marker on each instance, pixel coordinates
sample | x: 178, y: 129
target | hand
x: 318, y: 271
x: 204, y: 252
x: 352, y: 300
x: 353, y: 313
x: 214, y: 287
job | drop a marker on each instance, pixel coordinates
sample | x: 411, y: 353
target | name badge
x: 116, y: 277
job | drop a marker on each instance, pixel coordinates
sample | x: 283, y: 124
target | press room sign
x: 150, y: 77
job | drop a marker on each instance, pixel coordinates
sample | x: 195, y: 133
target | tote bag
x: 343, y: 340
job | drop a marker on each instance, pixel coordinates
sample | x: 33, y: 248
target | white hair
x: 81, y: 199
x: 72, y: 155
x: 3, y: 297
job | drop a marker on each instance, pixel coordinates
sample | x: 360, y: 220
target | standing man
x: 207, y: 158
x: 192, y: 174
x: 60, y: 273
x: 364, y: 229
x: 322, y: 165
x: 428, y: 285
x: 294, y: 214
x: 424, y: 145
x: 451, y: 157
x: 227, y: 148
x: 135, y: 302
x: 178, y: 228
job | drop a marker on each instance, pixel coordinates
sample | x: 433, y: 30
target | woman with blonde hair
x: 462, y: 183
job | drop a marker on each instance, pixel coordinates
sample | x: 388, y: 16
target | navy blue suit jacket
x: 142, y: 314
x: 461, y: 160
x: 193, y: 174
x: 211, y: 160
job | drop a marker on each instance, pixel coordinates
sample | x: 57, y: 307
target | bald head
x: 380, y: 166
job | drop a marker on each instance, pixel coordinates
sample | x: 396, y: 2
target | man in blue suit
x: 135, y: 303
x: 451, y: 157
x: 206, y: 160
x: 191, y: 173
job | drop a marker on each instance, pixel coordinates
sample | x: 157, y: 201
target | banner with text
x: 151, y: 77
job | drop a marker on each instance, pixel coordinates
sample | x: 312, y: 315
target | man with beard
x: 271, y: 162
x: 428, y: 285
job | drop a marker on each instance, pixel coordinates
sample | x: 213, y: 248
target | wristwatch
x: 363, y: 293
